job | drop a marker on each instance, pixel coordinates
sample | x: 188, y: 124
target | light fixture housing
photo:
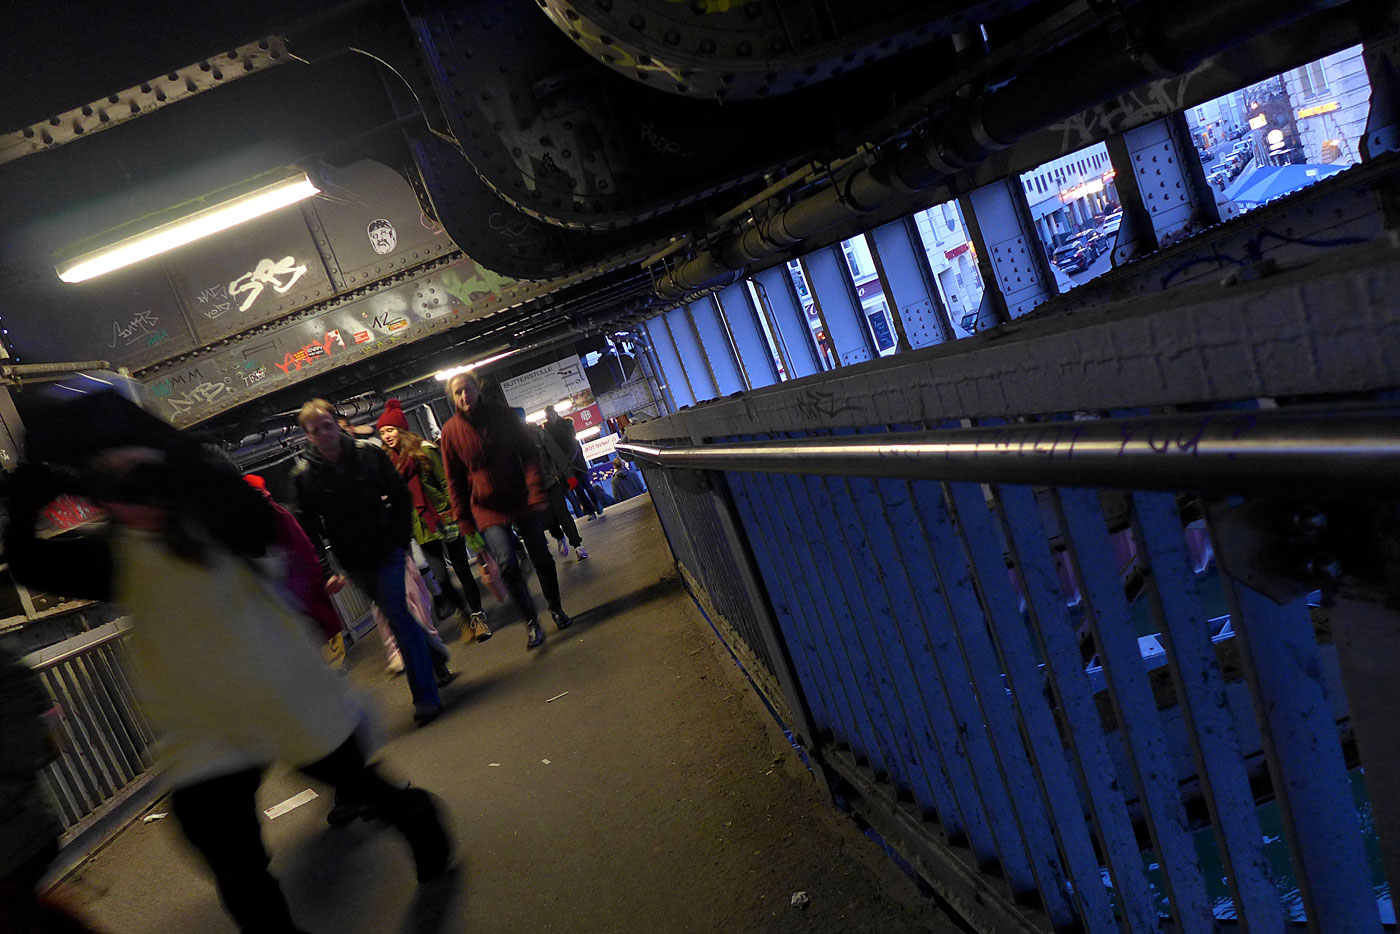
x: 194, y: 226
x: 443, y: 376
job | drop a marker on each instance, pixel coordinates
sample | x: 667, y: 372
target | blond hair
x: 312, y: 409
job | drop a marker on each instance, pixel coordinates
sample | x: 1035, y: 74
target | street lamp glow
x: 187, y: 229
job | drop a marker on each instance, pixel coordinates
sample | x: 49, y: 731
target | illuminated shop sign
x: 1317, y: 109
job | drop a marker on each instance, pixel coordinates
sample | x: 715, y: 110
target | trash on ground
x: 494, y: 765
x: 555, y: 698
x: 545, y: 761
x: 150, y: 818
x: 292, y: 803
x: 800, y: 900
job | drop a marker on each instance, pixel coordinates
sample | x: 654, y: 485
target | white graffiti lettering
x: 281, y: 275
x: 214, y: 301
x: 203, y: 394
x: 141, y: 324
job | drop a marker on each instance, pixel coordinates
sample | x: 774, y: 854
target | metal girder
x: 755, y: 359
x: 789, y: 321
x: 830, y: 281
x: 674, y: 383
x: 142, y: 99
x: 1161, y: 186
x: 716, y: 346
x: 691, y: 354
x: 902, y: 263
x: 1015, y: 272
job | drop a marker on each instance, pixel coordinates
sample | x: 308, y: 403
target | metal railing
x: 966, y: 628
x: 106, y: 744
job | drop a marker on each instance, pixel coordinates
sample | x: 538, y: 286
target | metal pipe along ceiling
x: 1170, y: 39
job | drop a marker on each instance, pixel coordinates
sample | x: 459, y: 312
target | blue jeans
x: 385, y: 586
x: 502, y: 546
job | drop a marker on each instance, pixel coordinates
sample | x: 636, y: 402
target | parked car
x: 1072, y: 257
x: 1091, y: 241
x: 1111, y: 223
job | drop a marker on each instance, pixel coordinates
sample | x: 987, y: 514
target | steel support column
x: 674, y: 383
x: 750, y: 346
x: 691, y: 353
x: 902, y: 264
x: 1161, y: 186
x: 1015, y: 273
x: 716, y: 345
x: 830, y: 281
x: 789, y: 321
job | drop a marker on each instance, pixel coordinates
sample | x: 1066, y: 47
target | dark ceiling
x: 559, y: 142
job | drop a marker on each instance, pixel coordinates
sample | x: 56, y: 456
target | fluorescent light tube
x: 445, y: 375
x: 188, y: 229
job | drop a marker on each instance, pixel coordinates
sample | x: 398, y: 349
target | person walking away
x: 556, y: 470
x: 626, y: 481
x: 566, y: 436
x: 223, y: 664
x: 493, y: 480
x: 420, y: 466
x: 348, y: 495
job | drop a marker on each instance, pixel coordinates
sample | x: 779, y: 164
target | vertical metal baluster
x: 759, y: 580
x: 846, y: 697
x: 935, y: 731
x: 98, y: 754
x: 1139, y: 724
x: 1020, y: 517
x: 908, y: 771
x: 1026, y: 681
x: 1278, y: 652
x: 1169, y: 586
x: 958, y: 629
x: 132, y: 724
x: 104, y: 713
x: 73, y: 759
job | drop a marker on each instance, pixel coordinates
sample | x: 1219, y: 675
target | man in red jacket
x: 494, y: 480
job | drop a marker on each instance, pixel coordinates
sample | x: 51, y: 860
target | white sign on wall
x: 605, y: 446
x: 548, y: 385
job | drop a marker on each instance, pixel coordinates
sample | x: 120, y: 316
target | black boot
x: 416, y: 817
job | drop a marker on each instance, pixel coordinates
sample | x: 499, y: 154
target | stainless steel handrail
x: 1355, y: 456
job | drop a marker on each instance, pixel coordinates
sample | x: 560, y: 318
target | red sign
x: 67, y: 512
x: 956, y: 251
x: 586, y: 417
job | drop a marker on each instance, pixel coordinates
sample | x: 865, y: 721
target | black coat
x: 359, y: 505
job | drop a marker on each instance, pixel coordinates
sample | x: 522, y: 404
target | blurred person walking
x: 437, y: 534
x: 566, y: 436
x: 556, y: 469
x: 494, y: 480
x: 348, y: 494
x: 226, y: 672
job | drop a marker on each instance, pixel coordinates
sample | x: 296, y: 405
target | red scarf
x: 409, y: 469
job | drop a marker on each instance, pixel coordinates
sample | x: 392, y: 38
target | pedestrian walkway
x: 622, y: 778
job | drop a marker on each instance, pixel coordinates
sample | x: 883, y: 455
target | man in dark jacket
x: 566, y: 436
x: 347, y: 494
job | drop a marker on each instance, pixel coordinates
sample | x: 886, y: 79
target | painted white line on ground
x: 295, y: 801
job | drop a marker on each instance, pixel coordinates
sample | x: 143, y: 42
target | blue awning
x: 1266, y: 182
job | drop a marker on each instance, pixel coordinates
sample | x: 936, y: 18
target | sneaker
x: 591, y: 518
x: 444, y: 675
x: 534, y: 635
x: 561, y: 619
x: 480, y: 631
x: 582, y: 554
x: 416, y: 817
x: 563, y: 548
x: 395, y: 666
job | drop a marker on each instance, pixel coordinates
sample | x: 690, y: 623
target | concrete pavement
x: 656, y: 794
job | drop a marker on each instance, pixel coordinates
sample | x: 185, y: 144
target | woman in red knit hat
x: 437, y: 534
